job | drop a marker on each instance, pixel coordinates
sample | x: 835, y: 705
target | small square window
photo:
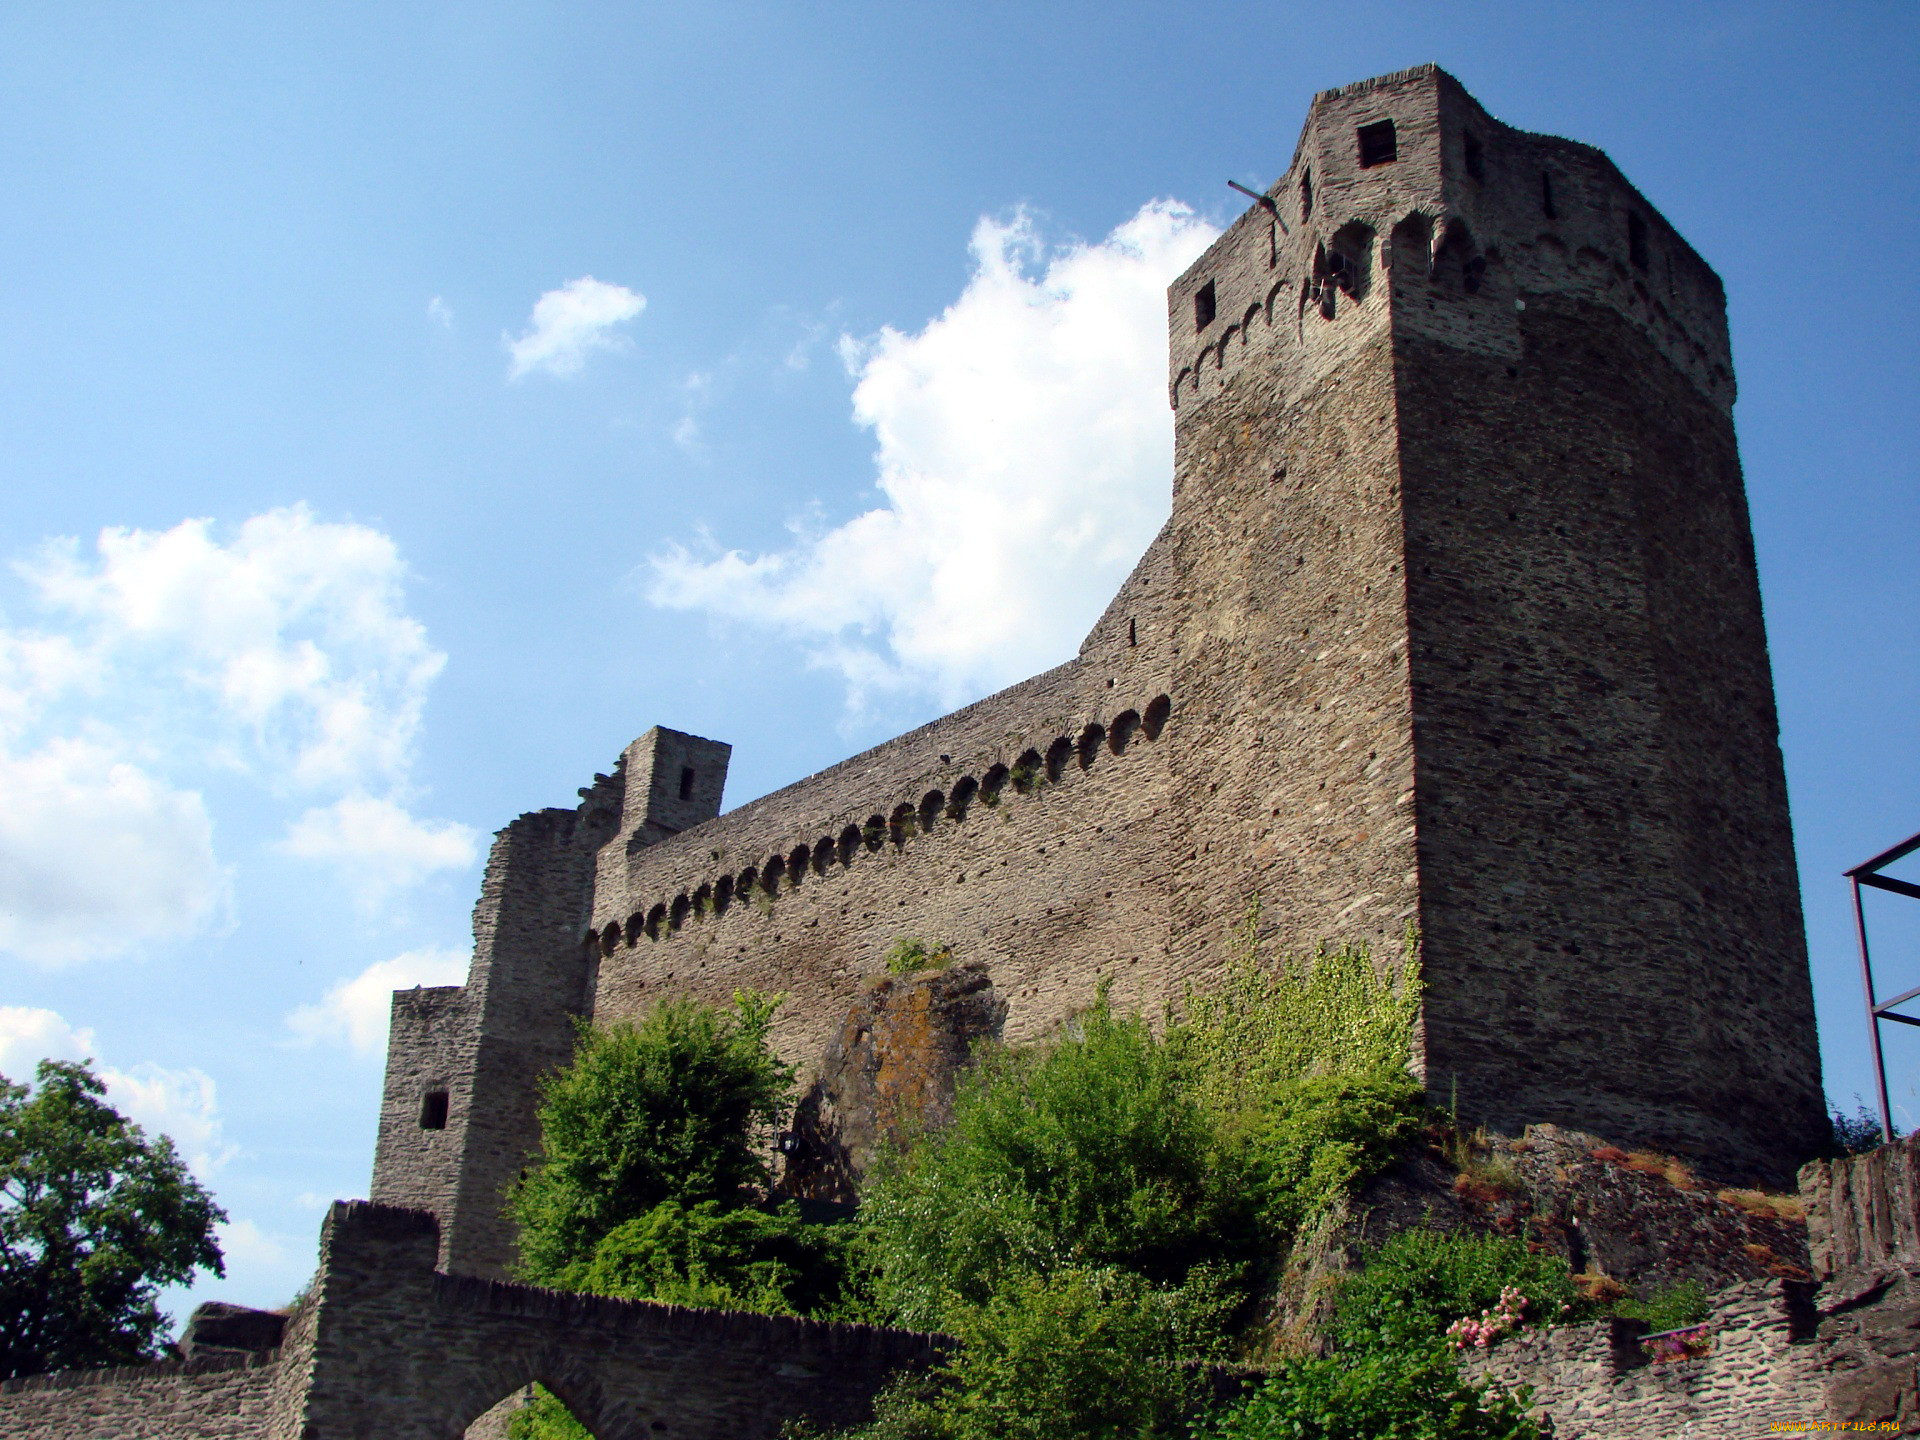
x: 1204, y: 306
x: 1378, y: 144
x: 686, y: 782
x: 1306, y: 196
x: 433, y: 1110
x: 1470, y: 152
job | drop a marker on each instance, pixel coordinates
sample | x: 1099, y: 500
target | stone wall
x: 225, y: 1398
x: 1599, y: 1383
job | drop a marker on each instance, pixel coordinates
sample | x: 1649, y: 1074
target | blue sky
x: 332, y: 544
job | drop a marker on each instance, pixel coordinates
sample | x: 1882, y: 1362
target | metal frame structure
x: 1868, y: 873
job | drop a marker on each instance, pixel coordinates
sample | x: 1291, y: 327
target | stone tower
x: 1455, y: 418
x: 1454, y: 626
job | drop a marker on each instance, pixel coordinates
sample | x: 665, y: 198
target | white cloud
x: 244, y: 1243
x: 293, y: 636
x: 283, y: 652
x: 99, y: 857
x: 379, y: 845
x: 355, y: 1011
x: 28, y: 1036
x: 568, y: 323
x: 181, y: 1104
x: 1025, y: 455
x: 440, y: 313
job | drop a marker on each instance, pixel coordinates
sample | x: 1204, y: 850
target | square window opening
x: 1637, y: 241
x: 1204, y: 306
x: 1471, y: 153
x: 433, y: 1110
x: 686, y: 782
x: 1378, y: 144
x: 1546, y: 196
x: 1306, y: 196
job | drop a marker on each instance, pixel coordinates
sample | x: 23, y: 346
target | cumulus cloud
x: 283, y: 652
x: 355, y: 1011
x: 28, y: 1036
x: 379, y: 845
x: 180, y: 1104
x: 440, y: 313
x: 99, y: 857
x: 1024, y: 454
x: 569, y: 323
x: 293, y: 636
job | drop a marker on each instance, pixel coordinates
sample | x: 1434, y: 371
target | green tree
x: 1089, y: 1151
x: 666, y: 1110
x: 94, y: 1219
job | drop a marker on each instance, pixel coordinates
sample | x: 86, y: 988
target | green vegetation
x: 1674, y: 1308
x: 94, y: 1219
x: 1100, y: 1221
x: 908, y: 956
x: 663, y: 1111
x: 545, y: 1418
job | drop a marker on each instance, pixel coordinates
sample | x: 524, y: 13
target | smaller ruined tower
x: 457, y: 1121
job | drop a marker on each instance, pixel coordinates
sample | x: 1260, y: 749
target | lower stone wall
x: 229, y: 1398
x: 1597, y: 1382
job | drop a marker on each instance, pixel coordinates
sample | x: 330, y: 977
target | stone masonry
x: 1454, y: 624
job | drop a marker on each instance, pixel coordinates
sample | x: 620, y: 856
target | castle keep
x: 1454, y: 625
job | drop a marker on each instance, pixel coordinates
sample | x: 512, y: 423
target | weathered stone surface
x: 216, y: 1327
x: 890, y: 1070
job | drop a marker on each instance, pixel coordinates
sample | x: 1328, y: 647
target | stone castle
x: 1453, y: 633
x: 1454, y: 624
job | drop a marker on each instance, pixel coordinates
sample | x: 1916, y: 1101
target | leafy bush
x: 1421, y: 1281
x: 663, y: 1110
x: 1674, y: 1308
x: 1321, y: 1136
x: 907, y: 956
x: 739, y: 1259
x: 1093, y: 1354
x: 1402, y: 1394
x: 1265, y: 1030
x: 1090, y: 1151
x: 545, y: 1418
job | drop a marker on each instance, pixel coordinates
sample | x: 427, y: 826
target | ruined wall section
x: 457, y: 1119
x: 1602, y: 810
x: 405, y: 1353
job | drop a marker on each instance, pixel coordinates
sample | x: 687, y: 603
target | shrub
x: 543, y: 1417
x: 1092, y: 1354
x: 663, y: 1110
x: 1403, y: 1394
x: 1673, y: 1308
x: 739, y: 1259
x: 908, y: 957
x: 1421, y: 1281
x: 1322, y: 1136
x: 1857, y: 1133
x: 1089, y: 1151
